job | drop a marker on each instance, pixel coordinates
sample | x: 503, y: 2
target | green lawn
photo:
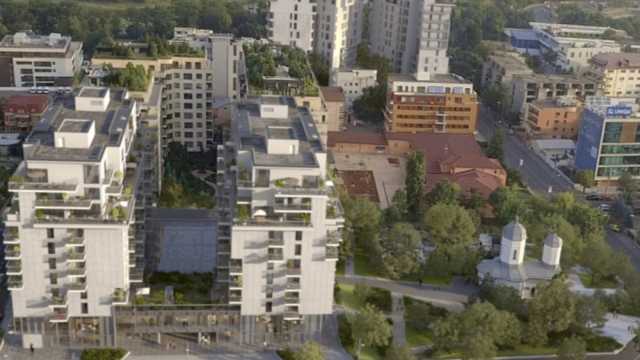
x: 369, y: 354
x: 416, y: 338
x: 523, y: 350
x: 600, y: 284
x: 347, y: 298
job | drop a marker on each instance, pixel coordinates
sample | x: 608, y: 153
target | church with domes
x: 511, y: 269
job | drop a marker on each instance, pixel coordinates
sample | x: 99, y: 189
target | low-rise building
x: 446, y: 103
x: 557, y: 118
x: 28, y: 60
x: 22, y: 112
x: 449, y: 157
x: 333, y: 98
x: 512, y: 269
x: 607, y: 142
x: 353, y: 82
x: 529, y: 88
x: 620, y: 73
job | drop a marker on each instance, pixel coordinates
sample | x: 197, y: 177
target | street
x: 536, y: 173
x: 621, y: 242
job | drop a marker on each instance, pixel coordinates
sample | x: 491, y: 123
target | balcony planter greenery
x: 39, y: 214
x: 117, y: 175
x: 280, y: 183
x: 17, y: 179
x: 331, y: 212
x: 103, y: 354
x: 242, y: 213
x: 118, y: 213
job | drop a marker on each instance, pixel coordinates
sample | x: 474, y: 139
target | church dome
x: 514, y: 231
x: 553, y: 240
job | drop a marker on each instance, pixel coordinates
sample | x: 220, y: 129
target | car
x: 604, y: 207
x: 593, y: 197
x: 614, y: 227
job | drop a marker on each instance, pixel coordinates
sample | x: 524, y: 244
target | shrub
x: 598, y: 343
x: 103, y: 354
x: 344, y: 331
x: 286, y: 354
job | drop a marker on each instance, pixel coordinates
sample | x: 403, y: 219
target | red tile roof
x: 355, y: 137
x: 332, y: 93
x: 34, y: 103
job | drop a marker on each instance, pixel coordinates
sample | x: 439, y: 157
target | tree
x: 590, y: 313
x: 585, y: 178
x: 399, y: 353
x: 495, y: 146
x: 477, y: 332
x: 507, y: 203
x: 401, y: 247
x: 502, y: 297
x: 449, y: 226
x: 398, y: 210
x: 369, y: 328
x: 551, y: 310
x: 444, y: 192
x: 414, y: 183
x: 363, y: 222
x: 628, y: 185
x: 309, y: 351
x: 572, y: 348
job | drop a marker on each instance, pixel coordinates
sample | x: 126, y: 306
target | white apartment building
x: 28, y: 60
x: 353, y: 82
x: 619, y: 73
x: 339, y: 30
x: 279, y: 233
x: 412, y: 34
x: 70, y: 239
x: 291, y: 22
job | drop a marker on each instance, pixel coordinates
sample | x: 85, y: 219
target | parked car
x: 614, y: 227
x: 593, y: 197
x: 604, y: 207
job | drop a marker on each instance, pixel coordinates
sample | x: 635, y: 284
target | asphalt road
x: 628, y: 246
x: 536, y: 173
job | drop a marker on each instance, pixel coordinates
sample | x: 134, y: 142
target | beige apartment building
x: 620, y: 73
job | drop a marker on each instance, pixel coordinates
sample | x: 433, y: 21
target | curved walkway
x: 452, y: 297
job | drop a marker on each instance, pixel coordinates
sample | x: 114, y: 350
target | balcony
x: 57, y: 301
x: 287, y: 208
x: 235, y: 282
x: 75, y: 256
x: 275, y: 242
x: 75, y: 204
x: 77, y: 285
x: 14, y: 282
x: 60, y: 315
x: 136, y: 275
x: 224, y: 248
x: 235, y: 269
x: 74, y: 241
x: 332, y: 253
x: 235, y: 298
x: 333, y: 238
x: 291, y: 314
x: 12, y: 252
x: 119, y: 296
x: 11, y: 236
x: 76, y: 272
x: 17, y: 184
x: 275, y: 256
x: 292, y: 286
x: 290, y: 300
x: 14, y: 268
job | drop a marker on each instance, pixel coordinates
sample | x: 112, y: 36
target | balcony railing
x: 77, y: 286
x: 291, y: 300
x: 292, y: 208
x: 277, y: 242
x: 39, y: 184
x: 75, y: 255
x: 14, y: 283
x: 76, y: 272
x: 332, y: 253
x: 14, y: 268
x: 293, y: 271
x: 69, y: 203
x: 12, y: 252
x: 59, y: 315
x: 279, y: 222
x: 58, y: 301
x: 292, y: 285
x: 275, y: 257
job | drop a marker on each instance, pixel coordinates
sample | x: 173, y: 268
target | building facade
x: 608, y: 141
x: 291, y: 22
x: 446, y: 104
x: 22, y: 112
x: 338, y: 31
x: 413, y: 35
x: 553, y: 118
x: 334, y: 101
x: 500, y: 67
x: 279, y: 219
x: 70, y: 236
x: 28, y: 60
x: 529, y: 88
x: 619, y: 73
x: 353, y: 82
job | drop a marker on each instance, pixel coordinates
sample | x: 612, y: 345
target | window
x: 268, y: 306
x: 49, y: 233
x: 298, y: 235
x: 298, y: 250
x: 53, y: 279
x: 84, y: 295
x: 85, y: 308
x: 515, y: 254
x: 51, y: 248
x: 52, y: 264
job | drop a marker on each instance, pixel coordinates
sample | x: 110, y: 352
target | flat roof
x: 109, y: 130
x: 93, y: 92
x: 435, y: 78
x: 253, y: 131
x: 75, y: 126
x: 29, y: 40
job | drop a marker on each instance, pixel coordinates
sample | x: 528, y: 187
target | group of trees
x: 132, y: 77
x: 180, y: 188
x: 93, y: 23
x: 393, y: 238
x: 369, y: 106
x: 501, y: 320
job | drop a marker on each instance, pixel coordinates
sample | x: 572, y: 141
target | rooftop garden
x: 265, y: 62
x: 187, y: 289
x: 152, y: 49
x: 132, y: 77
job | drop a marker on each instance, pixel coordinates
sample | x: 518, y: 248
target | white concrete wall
x: 292, y: 22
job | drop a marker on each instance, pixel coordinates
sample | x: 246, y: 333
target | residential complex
x: 70, y: 237
x: 292, y: 22
x: 444, y: 104
x: 608, y: 142
x: 353, y: 82
x: 413, y: 35
x: 570, y: 46
x: 619, y: 73
x: 338, y: 31
x: 191, y: 83
x: 334, y: 101
x: 557, y: 118
x: 28, y: 60
x: 528, y: 88
x: 279, y: 218
x: 22, y: 112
